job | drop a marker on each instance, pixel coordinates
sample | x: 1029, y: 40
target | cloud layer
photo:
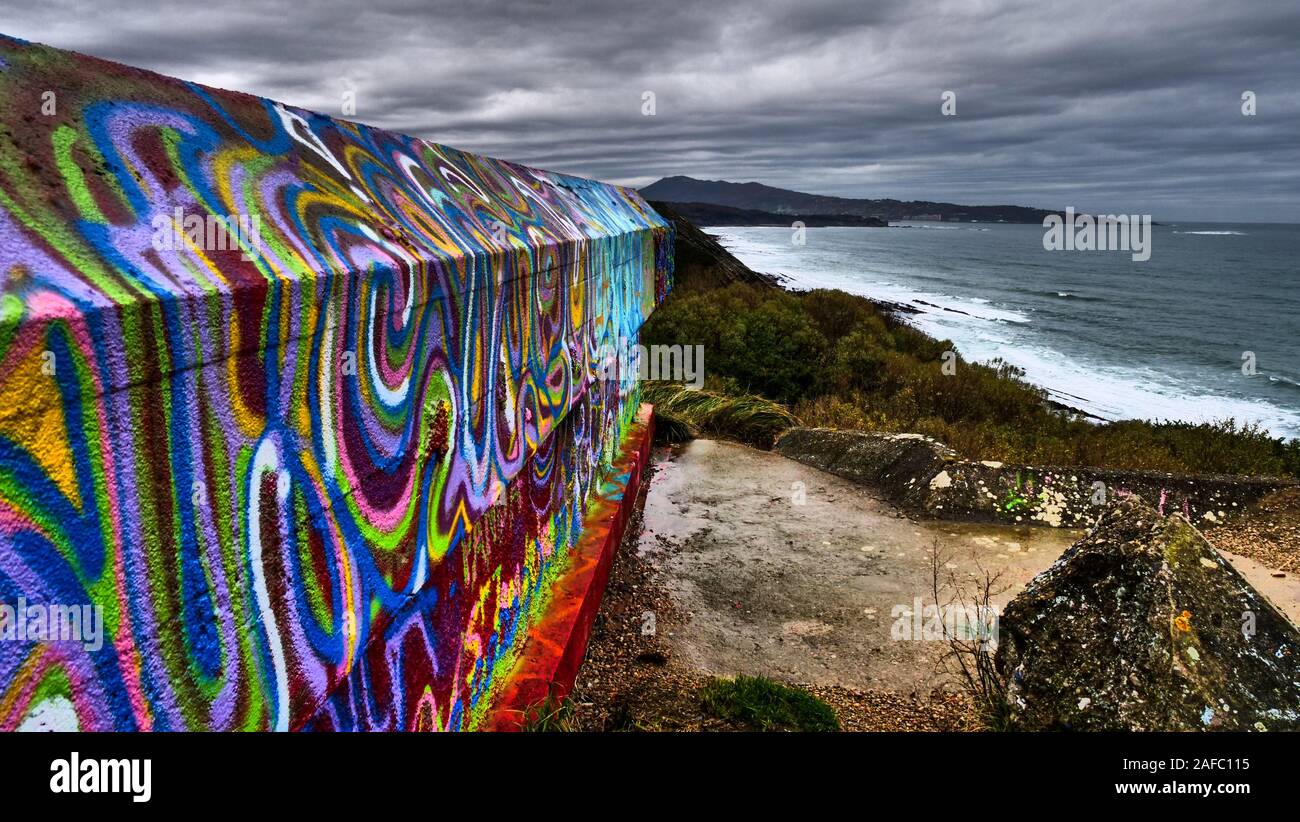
x: 1108, y: 105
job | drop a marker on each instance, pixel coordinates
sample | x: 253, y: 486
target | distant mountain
x: 710, y: 214
x: 759, y: 197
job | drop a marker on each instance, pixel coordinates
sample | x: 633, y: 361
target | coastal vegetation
x: 837, y: 360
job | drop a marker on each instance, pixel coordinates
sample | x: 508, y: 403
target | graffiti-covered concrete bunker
x: 304, y: 414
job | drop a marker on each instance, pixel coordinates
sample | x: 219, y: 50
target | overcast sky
x: 1105, y: 105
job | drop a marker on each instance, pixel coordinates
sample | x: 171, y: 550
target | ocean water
x: 1160, y: 340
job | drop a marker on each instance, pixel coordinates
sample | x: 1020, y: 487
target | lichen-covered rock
x: 1142, y: 625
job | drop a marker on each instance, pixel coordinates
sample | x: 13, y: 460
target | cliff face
x: 700, y: 262
x: 1169, y: 635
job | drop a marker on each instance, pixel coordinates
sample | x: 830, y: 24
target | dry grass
x: 752, y: 420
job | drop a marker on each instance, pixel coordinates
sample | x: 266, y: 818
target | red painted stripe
x: 557, y: 643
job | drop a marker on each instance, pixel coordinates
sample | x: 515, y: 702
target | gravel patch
x: 1269, y: 533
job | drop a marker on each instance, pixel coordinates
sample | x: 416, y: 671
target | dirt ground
x: 634, y: 677
x: 800, y: 575
x: 746, y: 562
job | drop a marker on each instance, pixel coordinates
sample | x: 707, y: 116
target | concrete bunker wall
x: 928, y: 478
x: 316, y: 467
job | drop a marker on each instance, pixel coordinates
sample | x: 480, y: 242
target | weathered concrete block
x: 930, y: 479
x: 1142, y: 625
x: 901, y: 465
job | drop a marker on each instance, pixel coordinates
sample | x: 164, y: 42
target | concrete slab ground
x: 783, y: 570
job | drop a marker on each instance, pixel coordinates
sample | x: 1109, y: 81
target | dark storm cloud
x: 1108, y: 106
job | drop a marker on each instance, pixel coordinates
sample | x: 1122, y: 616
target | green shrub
x: 759, y: 704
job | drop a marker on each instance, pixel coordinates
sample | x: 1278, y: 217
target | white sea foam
x: 1108, y: 391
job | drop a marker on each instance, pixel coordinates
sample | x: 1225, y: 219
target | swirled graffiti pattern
x: 315, y: 466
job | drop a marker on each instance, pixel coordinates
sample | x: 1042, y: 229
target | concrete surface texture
x: 1144, y: 626
x: 308, y: 412
x: 790, y: 572
x: 928, y: 478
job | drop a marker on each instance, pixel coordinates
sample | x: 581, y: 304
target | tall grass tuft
x: 751, y: 419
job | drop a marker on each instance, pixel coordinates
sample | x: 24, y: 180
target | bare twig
x: 969, y: 655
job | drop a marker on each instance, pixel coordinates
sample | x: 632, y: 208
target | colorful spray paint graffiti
x: 317, y: 473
